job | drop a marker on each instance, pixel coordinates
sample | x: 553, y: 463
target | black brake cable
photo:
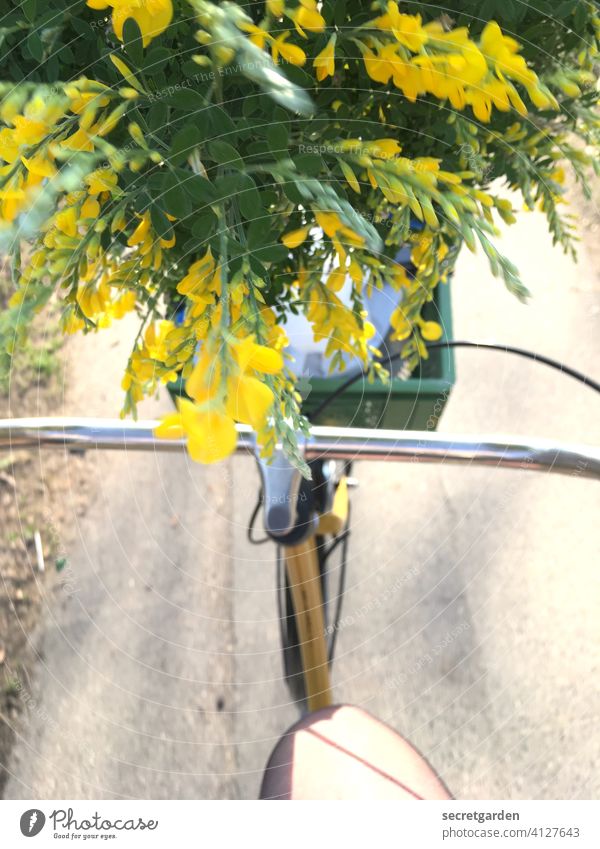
x: 342, y: 540
x: 460, y: 343
x: 250, y: 528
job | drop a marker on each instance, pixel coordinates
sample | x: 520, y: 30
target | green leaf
x: 339, y: 13
x: 35, y: 46
x: 310, y: 164
x: 175, y: 199
x: 225, y: 154
x: 292, y: 191
x: 29, y: 8
x: 132, y: 41
x: 258, y: 234
x: 249, y: 200
x: 141, y: 202
x: 199, y: 188
x: 160, y: 222
x: 157, y: 116
x: 256, y: 148
x: 257, y: 267
x: 184, y: 143
x: 566, y: 8
x: 277, y: 137
x: 156, y: 59
x: 220, y: 123
x: 204, y: 224
x: 581, y: 16
x: 229, y: 185
x: 271, y: 253
x: 234, y: 248
x: 186, y: 100
x: 249, y: 106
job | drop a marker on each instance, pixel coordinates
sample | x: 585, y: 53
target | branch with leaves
x: 215, y: 167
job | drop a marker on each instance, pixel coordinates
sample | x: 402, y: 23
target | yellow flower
x: 329, y: 222
x: 101, y: 181
x: 170, y: 427
x: 248, y: 397
x: 39, y: 166
x: 66, y: 221
x: 491, y: 93
x: 295, y: 237
x: 211, y: 435
x: 92, y: 301
x: 541, y: 99
x: 198, y: 274
x: 249, y: 355
x: 383, y: 148
x: 151, y: 16
x: 325, y: 61
x: 289, y: 52
x: 502, y: 49
x: 90, y: 208
x: 29, y: 131
x: 126, y: 303
x: 307, y: 16
x: 407, y: 29
x: 350, y: 176
x: 70, y: 322
x: 275, y: 8
x: 257, y: 35
x: 155, y: 339
x: 141, y: 231
x: 401, y: 325
x: 409, y: 78
x: 377, y: 67
x: 336, y: 279
x: 205, y: 379
x: 248, y: 400
x: 12, y: 200
x: 431, y: 331
x: 333, y: 226
x: 9, y: 149
x: 82, y: 99
x: 79, y: 140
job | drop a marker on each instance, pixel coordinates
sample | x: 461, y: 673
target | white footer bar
x: 181, y: 824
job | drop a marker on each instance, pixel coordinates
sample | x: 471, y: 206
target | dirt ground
x: 31, y: 500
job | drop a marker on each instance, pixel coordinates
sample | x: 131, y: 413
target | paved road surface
x: 471, y: 619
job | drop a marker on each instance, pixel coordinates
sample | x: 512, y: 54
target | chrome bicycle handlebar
x: 332, y: 442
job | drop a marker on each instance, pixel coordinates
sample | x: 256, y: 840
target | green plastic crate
x: 413, y: 404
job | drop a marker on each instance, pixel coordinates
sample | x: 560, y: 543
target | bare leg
x: 345, y: 753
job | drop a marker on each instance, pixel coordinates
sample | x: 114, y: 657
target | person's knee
x: 344, y: 752
x: 276, y: 781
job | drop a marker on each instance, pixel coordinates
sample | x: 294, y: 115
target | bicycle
x: 309, y: 520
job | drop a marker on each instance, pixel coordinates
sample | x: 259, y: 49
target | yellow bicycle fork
x: 302, y: 564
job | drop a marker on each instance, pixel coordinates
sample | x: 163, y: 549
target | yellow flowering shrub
x: 212, y: 166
